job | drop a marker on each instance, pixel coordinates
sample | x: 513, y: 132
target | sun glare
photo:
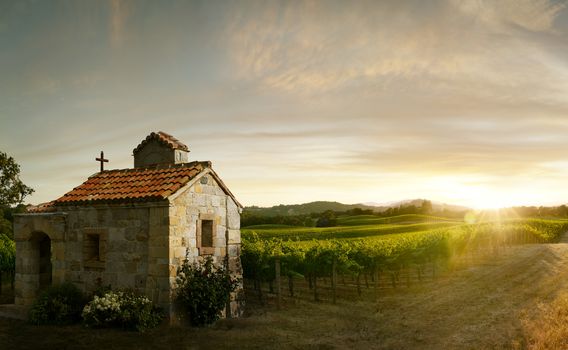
x: 474, y: 195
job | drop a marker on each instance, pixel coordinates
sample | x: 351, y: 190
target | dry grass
x: 512, y: 301
x: 548, y: 329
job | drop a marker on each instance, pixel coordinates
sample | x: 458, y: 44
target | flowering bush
x: 203, y: 291
x: 121, y: 309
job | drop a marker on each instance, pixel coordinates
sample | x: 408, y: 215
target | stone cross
x: 102, y: 160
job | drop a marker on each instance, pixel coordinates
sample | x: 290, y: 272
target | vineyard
x: 386, y: 251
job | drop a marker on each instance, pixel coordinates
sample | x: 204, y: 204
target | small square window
x: 92, y: 247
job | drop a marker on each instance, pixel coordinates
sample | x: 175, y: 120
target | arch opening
x: 42, y: 251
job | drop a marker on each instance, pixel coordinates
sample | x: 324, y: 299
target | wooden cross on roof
x: 102, y: 160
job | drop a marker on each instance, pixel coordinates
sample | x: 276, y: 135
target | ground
x: 512, y: 300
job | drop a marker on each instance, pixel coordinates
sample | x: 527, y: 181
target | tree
x: 327, y: 219
x: 426, y: 207
x: 12, y: 189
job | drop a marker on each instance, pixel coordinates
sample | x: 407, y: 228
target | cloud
x: 533, y: 15
x: 469, y: 46
x: 118, y: 15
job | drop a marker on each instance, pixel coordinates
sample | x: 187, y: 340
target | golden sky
x: 463, y: 102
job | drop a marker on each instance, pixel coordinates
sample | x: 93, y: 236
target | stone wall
x: 28, y: 229
x: 206, y: 200
x: 133, y: 249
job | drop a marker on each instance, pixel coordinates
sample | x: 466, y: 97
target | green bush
x: 7, y: 254
x: 121, y: 309
x: 203, y: 291
x: 59, y: 304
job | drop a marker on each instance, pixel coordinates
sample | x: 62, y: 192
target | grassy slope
x: 353, y: 227
x: 357, y: 220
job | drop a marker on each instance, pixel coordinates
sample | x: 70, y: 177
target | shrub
x: 59, y: 304
x: 121, y: 309
x: 7, y: 254
x: 203, y: 291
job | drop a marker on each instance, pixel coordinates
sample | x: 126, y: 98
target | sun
x: 475, y: 195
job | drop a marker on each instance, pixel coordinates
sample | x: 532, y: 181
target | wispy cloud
x: 533, y: 15
x: 302, y: 48
x: 118, y: 16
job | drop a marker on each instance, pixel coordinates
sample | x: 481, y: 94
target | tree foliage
x: 12, y: 189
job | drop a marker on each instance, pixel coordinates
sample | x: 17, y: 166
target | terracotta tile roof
x: 165, y: 139
x: 129, y: 185
x: 41, y: 208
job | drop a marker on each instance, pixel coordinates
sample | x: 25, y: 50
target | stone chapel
x: 132, y: 228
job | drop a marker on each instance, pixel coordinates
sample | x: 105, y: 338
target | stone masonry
x: 163, y: 214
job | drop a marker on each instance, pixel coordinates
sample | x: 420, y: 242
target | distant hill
x: 306, y: 208
x: 436, y: 206
x: 321, y: 206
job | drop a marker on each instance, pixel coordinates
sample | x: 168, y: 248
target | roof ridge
x: 161, y: 166
x: 164, y: 138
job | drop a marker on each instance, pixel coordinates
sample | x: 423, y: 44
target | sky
x: 463, y: 102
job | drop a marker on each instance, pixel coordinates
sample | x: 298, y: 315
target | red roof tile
x: 163, y: 138
x: 41, y: 208
x: 127, y: 185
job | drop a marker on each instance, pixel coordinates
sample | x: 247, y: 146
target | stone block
x: 158, y: 269
x: 130, y: 233
x: 158, y: 251
x: 131, y: 267
x: 234, y: 236
x: 142, y: 236
x: 234, y: 249
x: 72, y: 235
x: 173, y: 270
x: 216, y: 201
x: 164, y: 283
x: 139, y: 281
x: 234, y: 217
x: 200, y: 200
x: 177, y: 252
x: 109, y: 278
x: 75, y: 265
x: 174, y: 220
x: 125, y: 280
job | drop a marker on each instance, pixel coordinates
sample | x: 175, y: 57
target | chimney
x: 160, y: 148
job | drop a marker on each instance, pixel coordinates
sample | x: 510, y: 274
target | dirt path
x: 475, y: 308
x: 479, y: 307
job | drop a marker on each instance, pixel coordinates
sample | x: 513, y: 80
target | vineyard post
x: 315, y: 287
x: 359, y: 283
x: 376, y: 284
x: 291, y: 285
x: 434, y: 268
x: 334, y: 278
x: 278, y: 285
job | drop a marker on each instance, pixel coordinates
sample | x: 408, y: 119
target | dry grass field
x: 517, y: 300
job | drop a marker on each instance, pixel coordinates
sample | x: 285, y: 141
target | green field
x: 369, y: 245
x: 352, y: 227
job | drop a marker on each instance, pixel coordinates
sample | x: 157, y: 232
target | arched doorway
x: 42, y: 248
